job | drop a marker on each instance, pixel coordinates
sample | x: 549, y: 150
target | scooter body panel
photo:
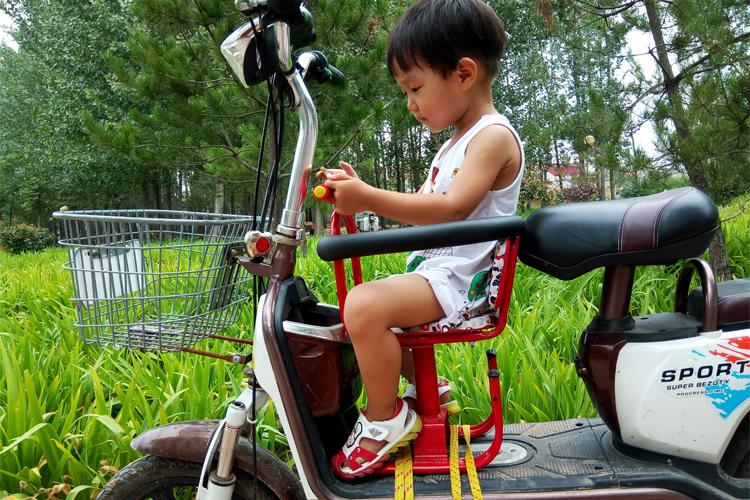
x: 568, y: 459
x: 684, y: 397
x: 265, y: 376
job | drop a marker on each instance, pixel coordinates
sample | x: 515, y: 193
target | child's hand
x: 345, y: 172
x: 349, y: 191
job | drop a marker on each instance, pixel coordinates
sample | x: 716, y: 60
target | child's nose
x: 411, y: 105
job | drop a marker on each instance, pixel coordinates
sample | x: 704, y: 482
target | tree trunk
x: 612, y: 184
x: 218, y: 197
x: 157, y: 193
x: 717, y: 250
x: 146, y: 195
x: 558, y: 168
x: 168, y: 195
x: 318, y: 221
x: 718, y: 247
x: 245, y: 201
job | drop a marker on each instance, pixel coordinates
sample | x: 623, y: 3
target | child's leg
x: 407, y: 371
x: 371, y: 310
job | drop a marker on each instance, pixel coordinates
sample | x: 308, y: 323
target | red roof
x: 564, y: 170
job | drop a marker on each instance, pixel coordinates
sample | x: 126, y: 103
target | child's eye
x: 415, y: 89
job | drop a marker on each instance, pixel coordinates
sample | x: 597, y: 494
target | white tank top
x: 459, y: 275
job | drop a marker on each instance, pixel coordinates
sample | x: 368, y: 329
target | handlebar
x: 285, y: 25
x: 285, y: 7
x: 337, y: 77
x: 420, y: 237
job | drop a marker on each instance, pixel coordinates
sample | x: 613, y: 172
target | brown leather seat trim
x: 639, y: 229
x: 733, y: 309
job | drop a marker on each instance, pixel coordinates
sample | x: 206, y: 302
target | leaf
x: 109, y: 423
x: 75, y: 491
x: 27, y: 435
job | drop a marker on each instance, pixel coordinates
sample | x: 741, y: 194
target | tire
x: 159, y: 478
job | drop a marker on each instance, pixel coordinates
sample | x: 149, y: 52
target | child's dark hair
x: 441, y: 32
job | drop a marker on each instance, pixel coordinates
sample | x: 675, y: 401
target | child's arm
x: 492, y: 161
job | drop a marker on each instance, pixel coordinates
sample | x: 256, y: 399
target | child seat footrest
x: 433, y: 436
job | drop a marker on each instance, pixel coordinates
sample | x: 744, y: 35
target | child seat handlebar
x: 331, y: 248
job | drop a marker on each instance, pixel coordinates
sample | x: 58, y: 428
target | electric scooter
x: 672, y: 389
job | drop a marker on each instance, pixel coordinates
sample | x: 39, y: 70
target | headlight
x: 241, y: 51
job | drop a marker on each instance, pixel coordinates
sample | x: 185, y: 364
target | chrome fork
x: 219, y: 484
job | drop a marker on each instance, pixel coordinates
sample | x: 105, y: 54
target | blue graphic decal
x: 699, y: 354
x: 725, y: 399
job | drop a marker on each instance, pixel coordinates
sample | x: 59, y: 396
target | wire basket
x: 154, y: 279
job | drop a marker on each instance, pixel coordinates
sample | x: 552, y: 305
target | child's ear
x: 467, y: 72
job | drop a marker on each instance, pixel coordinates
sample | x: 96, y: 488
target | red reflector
x: 263, y: 245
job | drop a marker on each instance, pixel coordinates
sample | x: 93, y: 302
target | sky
x: 4, y: 24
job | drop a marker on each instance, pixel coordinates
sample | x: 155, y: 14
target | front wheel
x: 159, y: 478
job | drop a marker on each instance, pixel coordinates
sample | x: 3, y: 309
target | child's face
x: 435, y: 101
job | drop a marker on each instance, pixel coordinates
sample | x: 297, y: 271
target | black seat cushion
x: 569, y: 240
x: 733, y: 304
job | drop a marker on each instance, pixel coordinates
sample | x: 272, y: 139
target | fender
x: 189, y: 441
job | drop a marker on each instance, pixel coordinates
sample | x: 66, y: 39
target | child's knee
x: 360, y: 310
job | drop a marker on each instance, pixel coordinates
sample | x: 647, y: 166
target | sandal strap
x: 359, y: 452
x: 377, y: 430
x: 397, y: 431
x: 411, y: 390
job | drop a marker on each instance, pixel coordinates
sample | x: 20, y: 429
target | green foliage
x: 22, y: 238
x: 46, y: 160
x: 69, y: 411
x: 737, y: 235
x: 536, y: 187
x: 653, y: 181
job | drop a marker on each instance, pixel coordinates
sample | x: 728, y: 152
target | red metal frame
x: 430, y: 447
x: 338, y: 265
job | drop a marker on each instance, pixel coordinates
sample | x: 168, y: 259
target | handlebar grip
x: 324, y: 193
x: 337, y: 77
x: 285, y: 7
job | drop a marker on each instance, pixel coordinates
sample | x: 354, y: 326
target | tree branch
x: 642, y: 96
x: 354, y: 135
x: 738, y: 213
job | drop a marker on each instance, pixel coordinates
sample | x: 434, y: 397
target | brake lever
x: 322, y: 71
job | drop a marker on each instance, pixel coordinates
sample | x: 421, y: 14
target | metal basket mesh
x: 154, y: 279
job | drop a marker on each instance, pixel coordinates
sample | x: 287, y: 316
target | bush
x: 581, y: 192
x: 24, y: 238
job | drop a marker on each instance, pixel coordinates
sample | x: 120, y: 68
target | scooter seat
x: 569, y: 240
x: 733, y: 301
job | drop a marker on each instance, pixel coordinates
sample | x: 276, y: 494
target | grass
x: 68, y: 411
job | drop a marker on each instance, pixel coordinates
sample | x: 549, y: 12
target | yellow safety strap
x: 471, y: 469
x: 455, y: 472
x: 404, y: 475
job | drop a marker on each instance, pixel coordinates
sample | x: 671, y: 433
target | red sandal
x: 394, y: 433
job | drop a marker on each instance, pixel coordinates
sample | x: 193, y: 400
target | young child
x: 444, y: 55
